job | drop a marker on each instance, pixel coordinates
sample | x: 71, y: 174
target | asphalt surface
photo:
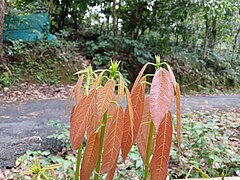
x: 25, y: 125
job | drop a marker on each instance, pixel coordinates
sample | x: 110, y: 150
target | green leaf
x: 45, y: 153
x: 216, y: 158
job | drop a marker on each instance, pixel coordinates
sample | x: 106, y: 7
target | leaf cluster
x: 101, y: 50
x: 109, y: 129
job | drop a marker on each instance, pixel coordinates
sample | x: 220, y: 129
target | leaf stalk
x: 79, y: 157
x: 148, y: 151
x: 97, y: 169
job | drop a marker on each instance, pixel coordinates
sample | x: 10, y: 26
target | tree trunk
x: 115, y: 25
x: 214, y: 32
x: 205, y: 39
x: 176, y: 42
x: 236, y: 39
x: 64, y: 13
x: 1, y: 29
x: 50, y: 9
x: 234, y: 45
x: 195, y: 31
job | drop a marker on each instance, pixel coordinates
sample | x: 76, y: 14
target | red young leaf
x: 159, y: 162
x: 127, y: 139
x: 111, y: 111
x: 178, y: 115
x: 90, y: 156
x: 94, y: 123
x: 113, y: 140
x: 78, y: 93
x: 139, y: 76
x: 142, y: 137
x: 98, y: 81
x: 161, y: 96
x: 172, y: 77
x: 81, y: 117
x: 120, y: 88
x: 130, y: 108
x: 137, y: 98
x: 105, y: 96
x: 111, y: 172
x: 171, y: 92
x: 68, y: 101
x: 112, y: 108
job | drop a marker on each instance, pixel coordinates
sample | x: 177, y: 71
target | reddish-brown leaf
x: 78, y: 92
x: 139, y: 76
x: 95, y: 122
x: 130, y: 108
x: 142, y: 137
x: 105, y: 96
x: 90, y: 156
x: 161, y: 96
x: 159, y: 162
x: 120, y: 88
x: 127, y: 139
x: 137, y: 98
x: 69, y: 100
x: 112, y: 108
x: 113, y: 140
x: 81, y: 117
x: 172, y: 77
x: 111, y: 172
x: 171, y: 98
x: 178, y: 115
x: 98, y: 81
x: 111, y: 111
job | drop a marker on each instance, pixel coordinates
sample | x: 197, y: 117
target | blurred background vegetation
x: 198, y: 38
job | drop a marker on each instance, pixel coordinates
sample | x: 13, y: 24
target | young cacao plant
x: 146, y: 120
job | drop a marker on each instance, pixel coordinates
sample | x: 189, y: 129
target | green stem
x: 105, y: 116
x: 148, y: 152
x: 79, y: 156
x: 158, y: 62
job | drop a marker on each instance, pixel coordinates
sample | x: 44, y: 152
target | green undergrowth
x: 218, y: 73
x: 43, y: 62
x: 213, y: 75
x: 210, y: 141
x: 56, y: 62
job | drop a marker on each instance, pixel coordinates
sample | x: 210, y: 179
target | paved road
x: 25, y: 125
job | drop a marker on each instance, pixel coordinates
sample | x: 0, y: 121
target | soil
x: 24, y: 121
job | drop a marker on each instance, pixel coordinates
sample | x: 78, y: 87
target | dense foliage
x: 198, y: 38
